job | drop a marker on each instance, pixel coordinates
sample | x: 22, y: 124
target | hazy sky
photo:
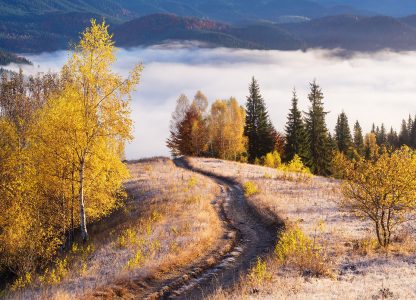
x: 377, y: 87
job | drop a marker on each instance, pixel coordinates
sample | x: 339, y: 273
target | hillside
x: 159, y: 28
x: 344, y: 31
x: 348, y: 267
x: 225, y: 10
x: 7, y: 58
x: 353, y: 33
x: 38, y: 26
x: 357, y: 33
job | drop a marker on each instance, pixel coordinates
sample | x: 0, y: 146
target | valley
x: 207, y: 149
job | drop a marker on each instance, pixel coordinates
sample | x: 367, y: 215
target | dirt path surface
x: 246, y: 237
x: 253, y: 239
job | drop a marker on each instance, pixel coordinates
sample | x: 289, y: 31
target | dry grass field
x: 351, y: 265
x: 167, y: 222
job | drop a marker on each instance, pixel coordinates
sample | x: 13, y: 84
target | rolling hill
x: 49, y: 25
x: 344, y: 31
x: 7, y: 58
x: 357, y: 33
x: 159, y: 28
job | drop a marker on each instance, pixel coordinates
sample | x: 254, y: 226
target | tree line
x: 62, y: 140
x: 378, y: 168
x: 249, y: 135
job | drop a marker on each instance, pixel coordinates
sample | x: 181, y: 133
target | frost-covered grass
x: 358, y: 269
x: 167, y: 222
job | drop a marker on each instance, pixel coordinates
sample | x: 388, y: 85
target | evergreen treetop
x: 258, y: 128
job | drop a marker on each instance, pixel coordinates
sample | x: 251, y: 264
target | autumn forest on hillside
x: 80, y: 221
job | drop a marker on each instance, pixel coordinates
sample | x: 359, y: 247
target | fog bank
x: 376, y: 88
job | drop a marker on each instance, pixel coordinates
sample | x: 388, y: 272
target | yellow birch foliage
x: 381, y: 191
x: 227, y: 129
x: 65, y: 162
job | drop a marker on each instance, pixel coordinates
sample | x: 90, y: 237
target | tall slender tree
x: 258, y: 127
x: 404, y: 136
x: 359, y: 139
x: 226, y: 127
x: 392, y: 139
x: 320, y: 155
x: 343, y: 135
x: 412, y: 135
x: 382, y: 135
x: 96, y: 103
x: 295, y: 133
x: 173, y: 142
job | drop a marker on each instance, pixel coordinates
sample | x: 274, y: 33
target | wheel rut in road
x: 253, y: 238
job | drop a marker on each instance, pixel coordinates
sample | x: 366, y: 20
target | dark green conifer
x: 320, y: 154
x: 343, y: 135
x: 295, y: 133
x: 392, y: 139
x: 258, y: 128
x: 381, y: 135
x: 404, y: 136
x: 412, y: 135
x: 359, y: 139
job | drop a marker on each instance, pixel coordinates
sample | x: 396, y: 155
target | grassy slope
x: 359, y: 272
x: 168, y: 222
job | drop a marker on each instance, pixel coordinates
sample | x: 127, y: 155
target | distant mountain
x: 14, y: 8
x: 159, y: 28
x: 48, y: 25
x: 395, y: 8
x: 357, y: 33
x: 39, y: 33
x: 354, y: 33
x: 8, y: 58
x: 223, y: 10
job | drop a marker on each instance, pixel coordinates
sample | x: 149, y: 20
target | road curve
x: 246, y: 236
x: 254, y: 238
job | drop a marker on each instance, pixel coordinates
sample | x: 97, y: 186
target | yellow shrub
x: 192, y: 182
x: 259, y: 273
x: 21, y: 282
x: 296, y: 166
x: 56, y: 274
x: 137, y: 260
x: 272, y: 160
x: 297, y: 249
x: 250, y: 189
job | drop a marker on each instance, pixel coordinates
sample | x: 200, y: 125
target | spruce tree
x: 359, y: 139
x: 258, y: 128
x: 381, y: 135
x: 320, y: 154
x: 412, y: 135
x: 392, y: 139
x: 295, y: 133
x: 343, y: 135
x: 404, y: 136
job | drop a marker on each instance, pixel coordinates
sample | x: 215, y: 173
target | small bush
x: 192, y: 182
x: 272, y: 160
x: 296, y: 249
x: 296, y: 166
x: 137, y: 260
x: 250, y: 189
x: 259, y: 273
x: 21, y: 282
x: 128, y: 237
x: 55, y: 274
x: 365, y: 246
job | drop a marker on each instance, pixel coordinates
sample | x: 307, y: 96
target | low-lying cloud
x: 378, y: 87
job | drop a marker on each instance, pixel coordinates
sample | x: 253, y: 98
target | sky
x: 378, y: 87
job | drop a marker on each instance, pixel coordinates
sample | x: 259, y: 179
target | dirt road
x: 253, y: 238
